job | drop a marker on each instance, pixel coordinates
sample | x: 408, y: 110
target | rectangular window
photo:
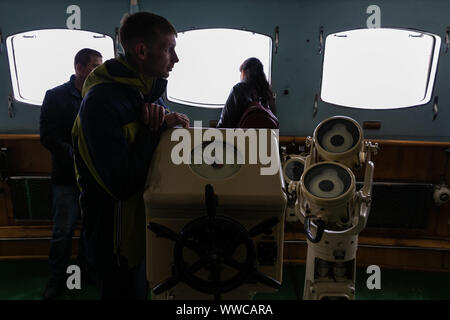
x: 379, y: 68
x: 43, y: 59
x: 209, y: 64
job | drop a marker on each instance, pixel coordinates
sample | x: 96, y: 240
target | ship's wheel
x: 214, y: 239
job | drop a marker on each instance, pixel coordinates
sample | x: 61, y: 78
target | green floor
x: 25, y: 280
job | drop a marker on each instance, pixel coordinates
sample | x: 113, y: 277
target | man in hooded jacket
x: 114, y: 136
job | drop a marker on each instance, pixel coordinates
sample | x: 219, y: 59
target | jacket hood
x: 119, y: 71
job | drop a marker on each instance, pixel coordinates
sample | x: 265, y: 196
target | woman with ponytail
x: 253, y: 87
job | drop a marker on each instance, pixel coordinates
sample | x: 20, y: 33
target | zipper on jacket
x: 119, y: 230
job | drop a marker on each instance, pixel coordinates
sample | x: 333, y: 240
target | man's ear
x: 141, y: 50
x: 78, y: 68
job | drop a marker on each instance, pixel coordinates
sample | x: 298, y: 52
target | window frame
x: 187, y: 103
x: 12, y: 60
x: 431, y: 77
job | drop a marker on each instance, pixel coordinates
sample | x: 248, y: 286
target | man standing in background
x: 59, y: 110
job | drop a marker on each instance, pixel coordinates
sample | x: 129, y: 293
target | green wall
x: 296, y: 67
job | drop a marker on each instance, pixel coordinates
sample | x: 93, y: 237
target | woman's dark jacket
x: 238, y: 100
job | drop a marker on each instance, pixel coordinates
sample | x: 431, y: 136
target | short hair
x: 143, y: 26
x: 84, y: 56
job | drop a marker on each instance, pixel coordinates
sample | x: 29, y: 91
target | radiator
x: 31, y: 197
x: 400, y: 205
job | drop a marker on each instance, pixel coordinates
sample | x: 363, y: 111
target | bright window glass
x: 43, y: 59
x: 379, y: 68
x: 209, y: 64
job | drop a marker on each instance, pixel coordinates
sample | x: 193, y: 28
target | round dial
x: 209, y: 160
x: 293, y: 170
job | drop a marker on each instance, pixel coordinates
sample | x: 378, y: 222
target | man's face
x: 161, y: 57
x: 83, y: 71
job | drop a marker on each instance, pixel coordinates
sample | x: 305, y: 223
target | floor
x: 26, y: 279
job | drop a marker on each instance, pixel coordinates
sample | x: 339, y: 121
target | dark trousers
x: 122, y: 283
x: 66, y: 212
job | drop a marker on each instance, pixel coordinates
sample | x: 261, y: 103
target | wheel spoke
x: 162, y: 231
x: 265, y: 279
x: 210, y: 201
x: 195, y: 246
x: 233, y: 263
x: 235, y: 242
x: 166, y: 284
x: 216, y: 272
x: 198, y: 265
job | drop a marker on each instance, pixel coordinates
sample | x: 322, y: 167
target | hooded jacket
x: 112, y: 153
